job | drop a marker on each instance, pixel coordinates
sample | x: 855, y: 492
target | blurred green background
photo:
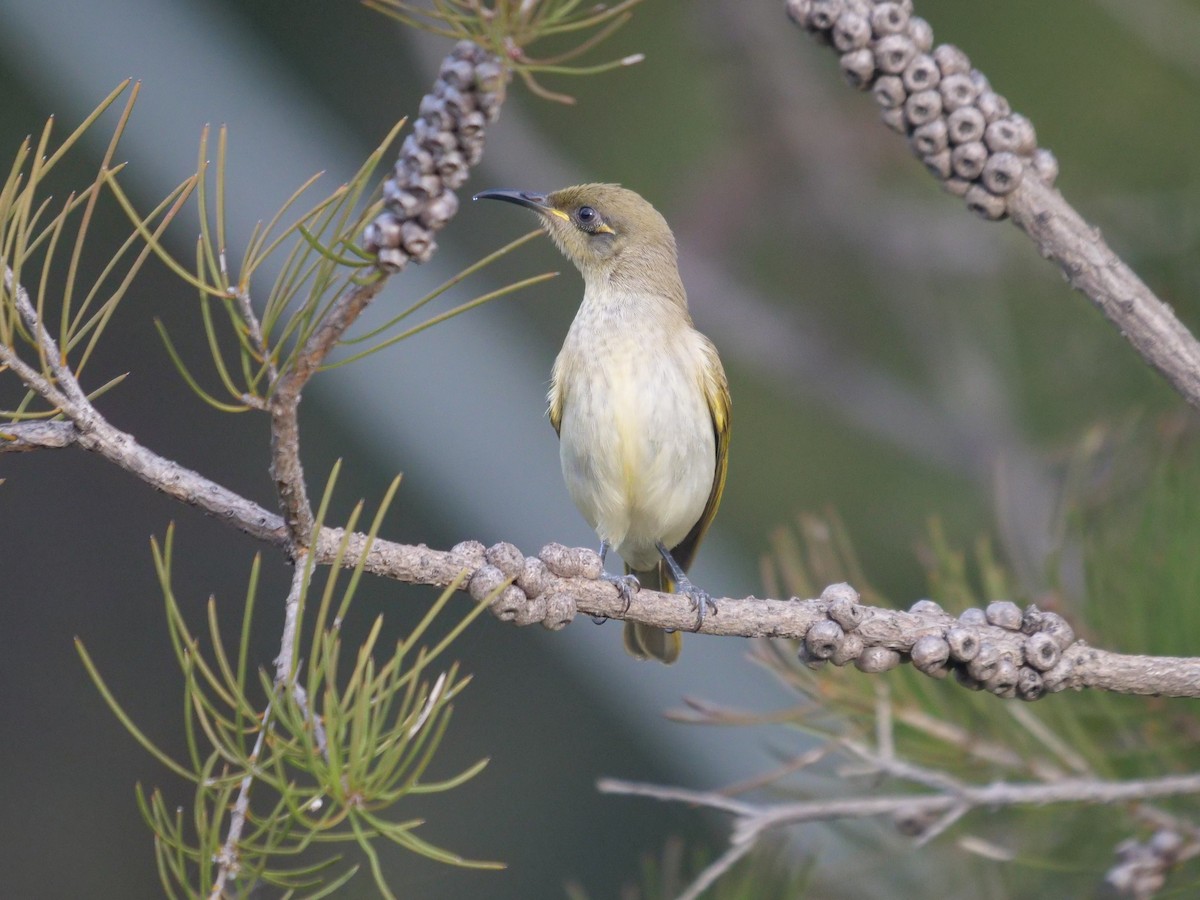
x: 891, y: 358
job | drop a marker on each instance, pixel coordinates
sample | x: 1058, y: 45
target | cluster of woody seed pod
x: 516, y: 586
x: 1027, y: 666
x: 966, y: 134
x: 436, y: 157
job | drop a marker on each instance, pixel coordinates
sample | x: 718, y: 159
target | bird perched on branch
x: 638, y: 396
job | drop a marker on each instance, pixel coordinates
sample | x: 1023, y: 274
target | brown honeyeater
x: 638, y: 396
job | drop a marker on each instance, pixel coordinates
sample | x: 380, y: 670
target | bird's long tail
x: 646, y: 641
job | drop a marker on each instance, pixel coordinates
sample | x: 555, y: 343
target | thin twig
x: 286, y: 467
x: 1093, y: 269
x: 285, y: 676
x: 752, y: 821
x: 228, y: 859
x: 285, y: 662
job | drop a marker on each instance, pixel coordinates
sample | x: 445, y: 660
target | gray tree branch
x: 1093, y: 269
x: 992, y: 650
x: 978, y: 148
x: 752, y: 821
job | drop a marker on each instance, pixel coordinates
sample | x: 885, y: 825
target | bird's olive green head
x: 606, y: 230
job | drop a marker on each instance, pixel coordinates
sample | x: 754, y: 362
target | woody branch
x: 970, y: 139
x: 1005, y: 650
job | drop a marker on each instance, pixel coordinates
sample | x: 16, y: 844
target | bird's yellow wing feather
x: 716, y: 392
x: 554, y: 399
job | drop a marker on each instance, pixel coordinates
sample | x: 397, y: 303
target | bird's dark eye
x: 586, y: 215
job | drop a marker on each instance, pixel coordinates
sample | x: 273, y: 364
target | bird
x: 638, y: 397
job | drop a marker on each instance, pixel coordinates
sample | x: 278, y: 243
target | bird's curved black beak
x: 529, y: 199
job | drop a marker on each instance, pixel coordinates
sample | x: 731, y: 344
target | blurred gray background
x: 890, y: 358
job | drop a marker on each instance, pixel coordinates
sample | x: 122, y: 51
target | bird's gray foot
x: 701, y: 601
x: 626, y: 585
x: 683, y: 585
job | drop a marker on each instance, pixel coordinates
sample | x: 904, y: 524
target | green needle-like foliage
x: 44, y: 292
x: 322, y: 756
x: 1143, y: 552
x: 252, y: 344
x: 509, y: 28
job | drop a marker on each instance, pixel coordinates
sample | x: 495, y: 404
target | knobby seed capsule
x: 457, y: 101
x: 922, y: 74
x: 849, y: 649
x: 921, y: 33
x: 1045, y: 165
x: 417, y: 241
x: 992, y: 105
x: 968, y: 160
x: 874, y: 660
x: 458, y: 73
x: 930, y: 138
x: 972, y: 616
x: 528, y: 609
x: 1056, y: 679
x: 1057, y: 628
x: 402, y: 203
x: 951, y: 60
x: 984, y: 665
x: 930, y: 652
x: 1013, y: 133
x: 534, y: 576
x: 823, y: 14
x: 926, y: 607
x: 1041, y: 652
x: 468, y: 554
x: 839, y: 592
x: 1166, y: 844
x: 846, y: 612
x: 985, y: 204
x: 957, y: 90
x: 1030, y: 684
x: 485, y: 580
x: 888, y: 19
x: 560, y: 610
x: 507, y: 558
x: 1002, y: 173
x: 851, y: 32
x: 823, y: 639
x: 1004, y: 614
x: 889, y: 92
x: 798, y: 11
x: 893, y: 53
x: 439, y: 210
x: 858, y: 67
x: 923, y: 107
x: 1003, y: 682
x: 963, y: 643
x: 965, y: 125
x: 383, y: 231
